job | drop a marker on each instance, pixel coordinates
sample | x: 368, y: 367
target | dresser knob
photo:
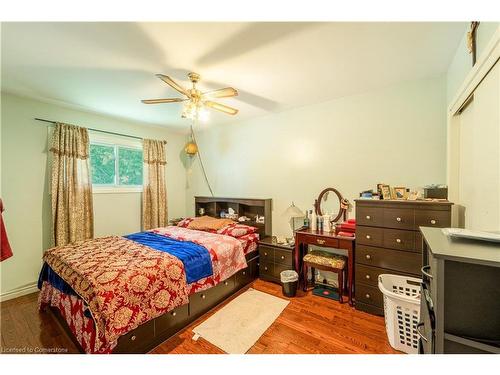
x: 133, y: 338
x: 433, y: 221
x: 367, y: 277
x: 282, y: 257
x: 368, y: 236
x: 203, y: 296
x: 174, y: 313
x: 265, y: 254
x: 398, y: 219
x: 398, y: 240
x: 367, y: 295
x: 368, y: 256
x: 265, y: 268
x: 368, y: 217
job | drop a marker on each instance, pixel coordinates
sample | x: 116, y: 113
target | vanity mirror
x: 330, y: 201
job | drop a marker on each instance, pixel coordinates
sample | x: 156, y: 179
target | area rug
x: 237, y: 326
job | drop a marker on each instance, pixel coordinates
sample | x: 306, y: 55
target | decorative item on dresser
x: 388, y: 240
x: 274, y: 258
x: 460, y: 304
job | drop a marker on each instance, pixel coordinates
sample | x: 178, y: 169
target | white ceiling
x: 110, y: 67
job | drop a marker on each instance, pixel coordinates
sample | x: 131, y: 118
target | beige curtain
x: 154, y: 196
x: 71, y: 188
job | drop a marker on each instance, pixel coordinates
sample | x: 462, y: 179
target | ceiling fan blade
x: 158, y: 101
x: 169, y: 81
x: 221, y: 107
x: 221, y: 93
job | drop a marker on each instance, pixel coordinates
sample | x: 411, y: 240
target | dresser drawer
x: 403, y: 261
x: 369, y: 275
x: 283, y: 257
x: 369, y: 294
x: 369, y: 216
x: 370, y: 236
x: 399, y: 218
x: 399, y: 239
x: 432, y: 218
x: 266, y: 253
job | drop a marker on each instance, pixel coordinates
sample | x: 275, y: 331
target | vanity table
x: 306, y: 237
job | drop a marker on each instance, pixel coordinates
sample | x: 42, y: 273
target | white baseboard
x: 18, y: 292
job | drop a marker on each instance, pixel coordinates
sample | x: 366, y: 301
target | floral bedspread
x: 123, y: 283
x: 227, y: 254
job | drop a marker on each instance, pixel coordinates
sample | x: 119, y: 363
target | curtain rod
x: 95, y: 130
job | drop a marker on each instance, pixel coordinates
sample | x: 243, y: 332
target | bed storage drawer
x: 172, y: 321
x: 203, y: 301
x: 247, y: 275
x: 136, y: 340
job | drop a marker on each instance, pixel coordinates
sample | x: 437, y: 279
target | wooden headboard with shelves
x: 248, y: 207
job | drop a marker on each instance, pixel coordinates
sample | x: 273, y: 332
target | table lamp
x: 293, y: 212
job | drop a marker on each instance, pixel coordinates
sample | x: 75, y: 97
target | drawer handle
x: 368, y: 256
x: 425, y: 272
x: 368, y: 217
x: 398, y: 240
x: 282, y: 257
x: 420, y: 333
x: 367, y: 277
x: 368, y: 236
x: 398, y: 219
x: 133, y: 338
x: 244, y: 273
x: 265, y: 268
x: 265, y: 254
x: 433, y: 222
x: 174, y: 313
x: 226, y: 283
x: 203, y: 296
x: 321, y: 242
x: 367, y: 295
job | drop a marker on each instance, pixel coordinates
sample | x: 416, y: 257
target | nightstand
x: 274, y: 258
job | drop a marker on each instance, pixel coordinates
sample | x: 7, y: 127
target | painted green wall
x: 25, y: 183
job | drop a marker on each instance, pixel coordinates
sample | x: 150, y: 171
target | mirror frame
x: 317, y: 203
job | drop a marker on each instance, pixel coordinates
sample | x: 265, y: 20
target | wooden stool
x: 325, y: 261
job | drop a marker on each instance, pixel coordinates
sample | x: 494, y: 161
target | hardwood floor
x: 309, y: 325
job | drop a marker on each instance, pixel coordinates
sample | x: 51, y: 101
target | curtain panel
x: 71, y: 187
x: 154, y: 196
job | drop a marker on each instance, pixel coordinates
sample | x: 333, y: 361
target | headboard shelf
x: 249, y: 207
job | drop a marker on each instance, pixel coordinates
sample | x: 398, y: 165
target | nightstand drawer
x: 283, y: 257
x: 399, y: 218
x: 399, y: 239
x: 266, y: 253
x: 369, y: 236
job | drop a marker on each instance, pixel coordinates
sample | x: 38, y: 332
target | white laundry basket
x: 401, y: 310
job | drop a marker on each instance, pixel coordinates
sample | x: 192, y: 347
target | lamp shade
x: 293, y: 211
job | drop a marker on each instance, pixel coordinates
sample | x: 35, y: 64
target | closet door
x: 479, y: 164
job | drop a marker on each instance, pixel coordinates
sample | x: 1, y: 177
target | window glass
x: 129, y: 166
x: 102, y: 164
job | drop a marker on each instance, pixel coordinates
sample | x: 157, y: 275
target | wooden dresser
x: 388, y: 240
x: 274, y: 258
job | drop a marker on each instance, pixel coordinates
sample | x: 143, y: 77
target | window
x: 115, y: 167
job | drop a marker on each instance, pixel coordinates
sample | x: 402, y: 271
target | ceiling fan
x: 196, y: 101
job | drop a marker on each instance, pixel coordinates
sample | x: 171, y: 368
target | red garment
x: 6, y: 251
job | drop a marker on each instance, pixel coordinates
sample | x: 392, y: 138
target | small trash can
x: 289, y: 282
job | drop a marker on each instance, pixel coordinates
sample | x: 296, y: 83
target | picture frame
x: 399, y: 193
x: 385, y: 192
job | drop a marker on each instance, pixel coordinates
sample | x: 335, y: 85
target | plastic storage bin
x: 289, y: 281
x: 401, y: 310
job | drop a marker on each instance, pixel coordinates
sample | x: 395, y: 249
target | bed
x: 128, y: 294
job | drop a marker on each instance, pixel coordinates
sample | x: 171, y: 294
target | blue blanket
x: 196, y: 258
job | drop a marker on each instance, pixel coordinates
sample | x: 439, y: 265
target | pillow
x: 185, y: 222
x: 208, y: 223
x: 237, y: 230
